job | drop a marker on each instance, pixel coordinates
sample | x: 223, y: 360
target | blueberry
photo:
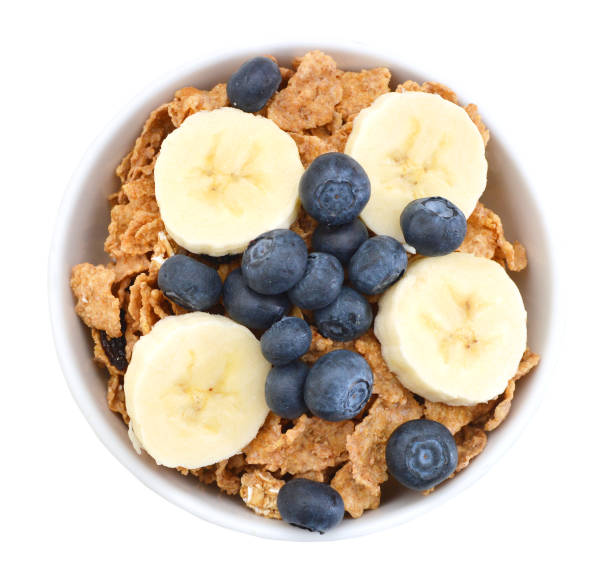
x: 321, y: 283
x: 286, y: 340
x: 340, y: 241
x: 285, y: 389
x: 310, y: 505
x: 433, y: 226
x: 334, y: 189
x: 249, y: 307
x: 346, y: 318
x: 253, y: 84
x: 189, y: 283
x: 338, y: 386
x: 378, y: 263
x: 421, y: 453
x: 275, y: 261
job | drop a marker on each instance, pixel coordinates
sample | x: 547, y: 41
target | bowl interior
x: 80, y: 232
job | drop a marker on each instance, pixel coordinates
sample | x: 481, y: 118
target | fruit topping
x: 346, y: 318
x: 338, y: 385
x: 378, y: 263
x: 416, y: 145
x: 433, y: 226
x: 189, y: 283
x: 250, y: 308
x: 285, y: 389
x: 334, y: 189
x: 286, y: 340
x: 321, y: 283
x: 421, y: 454
x: 310, y: 505
x: 274, y: 262
x: 340, y: 241
x: 253, y: 84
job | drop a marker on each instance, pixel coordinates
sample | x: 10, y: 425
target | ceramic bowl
x: 80, y: 232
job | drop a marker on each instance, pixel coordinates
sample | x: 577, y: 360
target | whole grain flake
x: 311, y: 94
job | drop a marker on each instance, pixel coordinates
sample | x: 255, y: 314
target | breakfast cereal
x: 121, y: 301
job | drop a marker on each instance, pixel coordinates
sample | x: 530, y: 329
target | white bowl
x: 79, y: 235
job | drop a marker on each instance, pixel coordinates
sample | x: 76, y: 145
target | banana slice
x: 194, y: 390
x: 224, y: 177
x: 453, y: 329
x: 416, y: 145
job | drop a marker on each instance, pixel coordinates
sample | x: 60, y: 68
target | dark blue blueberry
x: 334, y: 189
x: 189, y: 283
x: 310, y: 505
x: 340, y: 241
x: 275, y: 261
x: 321, y: 283
x: 338, y: 386
x: 253, y: 84
x: 286, y: 340
x: 421, y: 453
x: 249, y: 307
x: 285, y: 389
x: 346, y: 318
x: 433, y: 226
x: 378, y: 263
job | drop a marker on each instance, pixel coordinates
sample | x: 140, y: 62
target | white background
x: 72, y: 515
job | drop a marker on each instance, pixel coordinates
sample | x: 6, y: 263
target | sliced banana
x: 195, y: 390
x: 224, y: 177
x: 416, y: 145
x: 453, y: 329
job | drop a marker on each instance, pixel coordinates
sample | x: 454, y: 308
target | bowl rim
x: 84, y: 399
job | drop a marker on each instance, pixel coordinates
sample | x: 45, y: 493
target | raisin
x: 115, y: 347
x: 115, y: 350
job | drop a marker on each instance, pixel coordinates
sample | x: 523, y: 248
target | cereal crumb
x: 142, y: 159
x: 357, y: 497
x: 259, y: 490
x: 456, y: 417
x: 472, y: 111
x: 471, y: 442
x: 188, y: 101
x: 95, y: 303
x: 311, y: 444
x: 115, y: 397
x: 485, y: 238
x: 386, y: 384
x: 304, y: 225
x: 360, y: 89
x: 311, y: 94
x: 227, y: 479
x: 502, y: 409
x: 128, y: 265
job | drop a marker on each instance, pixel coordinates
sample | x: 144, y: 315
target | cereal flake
x: 311, y: 444
x: 188, y: 101
x: 356, y: 496
x: 502, y: 409
x: 360, y: 89
x: 485, y: 238
x: 95, y: 303
x: 311, y: 94
x: 259, y: 490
